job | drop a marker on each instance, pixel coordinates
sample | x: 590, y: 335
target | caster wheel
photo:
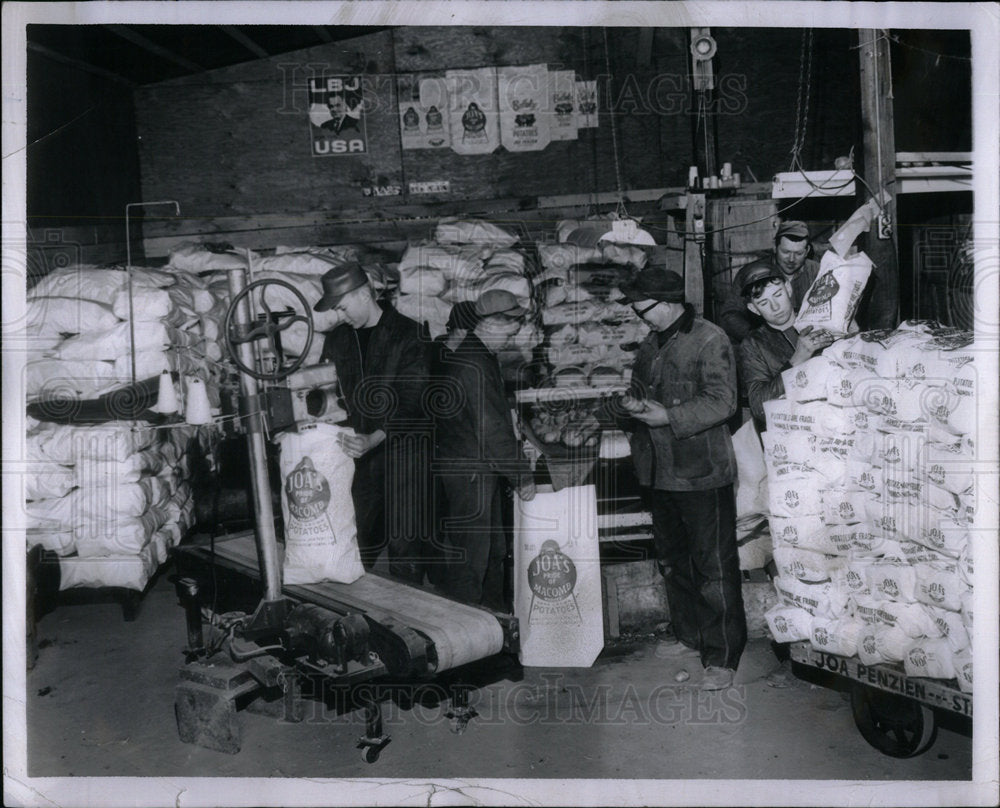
x: 458, y: 725
x: 370, y: 754
x: 896, y: 726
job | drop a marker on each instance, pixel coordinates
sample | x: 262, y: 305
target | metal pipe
x: 265, y: 535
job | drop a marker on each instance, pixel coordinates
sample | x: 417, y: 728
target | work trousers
x: 695, y: 536
x: 392, y: 510
x: 471, y: 543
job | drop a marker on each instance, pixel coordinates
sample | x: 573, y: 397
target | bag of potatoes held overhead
x: 832, y: 300
x: 320, y: 532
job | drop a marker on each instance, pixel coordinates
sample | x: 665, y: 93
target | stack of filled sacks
x: 590, y: 334
x: 79, y: 326
x: 110, y: 500
x: 464, y: 260
x: 872, y: 497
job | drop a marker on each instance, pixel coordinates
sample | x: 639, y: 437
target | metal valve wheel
x: 269, y: 329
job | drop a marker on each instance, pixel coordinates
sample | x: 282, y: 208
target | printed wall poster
x: 524, y: 118
x: 472, y: 101
x: 562, y: 104
x: 423, y: 112
x: 586, y: 104
x: 337, y: 116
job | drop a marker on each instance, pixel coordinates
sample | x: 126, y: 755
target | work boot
x: 673, y: 649
x: 717, y: 678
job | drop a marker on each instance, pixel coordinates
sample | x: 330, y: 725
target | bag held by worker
x: 557, y: 578
x: 832, y: 300
x: 320, y: 532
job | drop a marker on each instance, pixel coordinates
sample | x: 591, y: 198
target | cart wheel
x: 895, y: 725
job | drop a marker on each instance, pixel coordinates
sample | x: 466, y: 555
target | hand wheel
x: 268, y: 330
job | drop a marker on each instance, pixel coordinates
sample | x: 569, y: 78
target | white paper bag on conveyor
x: 320, y: 532
x: 557, y: 578
x: 832, y: 300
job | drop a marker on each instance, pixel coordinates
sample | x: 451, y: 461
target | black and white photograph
x: 555, y: 402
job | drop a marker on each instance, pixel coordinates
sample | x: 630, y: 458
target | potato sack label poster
x: 337, y: 116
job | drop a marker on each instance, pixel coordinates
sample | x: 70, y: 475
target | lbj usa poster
x: 337, y: 116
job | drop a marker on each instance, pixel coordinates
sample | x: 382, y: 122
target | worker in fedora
x: 792, y: 257
x: 477, y: 457
x: 683, y: 393
x: 383, y: 365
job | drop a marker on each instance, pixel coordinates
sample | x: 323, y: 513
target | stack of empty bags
x: 464, y: 260
x: 110, y: 500
x: 80, y: 330
x: 870, y: 461
x: 590, y: 335
x: 113, y: 498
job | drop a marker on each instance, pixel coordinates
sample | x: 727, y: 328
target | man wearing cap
x: 684, y: 392
x: 771, y: 348
x: 476, y: 453
x: 791, y: 256
x: 382, y: 366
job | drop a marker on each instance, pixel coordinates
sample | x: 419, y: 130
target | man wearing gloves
x: 477, y: 453
x: 383, y: 365
x: 684, y: 392
x: 770, y: 349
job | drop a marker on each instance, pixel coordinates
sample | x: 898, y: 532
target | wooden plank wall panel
x: 236, y: 140
x: 758, y: 81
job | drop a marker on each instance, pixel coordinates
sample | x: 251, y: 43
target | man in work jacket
x: 684, y: 391
x: 382, y: 362
x: 477, y: 453
x: 792, y: 249
x: 775, y: 346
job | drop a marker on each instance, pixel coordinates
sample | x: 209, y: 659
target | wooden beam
x: 322, y: 33
x: 129, y: 35
x: 48, y: 53
x: 245, y: 41
x: 694, y: 242
x: 879, y: 150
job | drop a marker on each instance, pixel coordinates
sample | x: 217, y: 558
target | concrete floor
x: 100, y: 703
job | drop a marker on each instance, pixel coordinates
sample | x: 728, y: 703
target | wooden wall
x: 82, y: 164
x: 233, y: 143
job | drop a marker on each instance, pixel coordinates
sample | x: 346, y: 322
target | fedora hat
x: 338, y: 281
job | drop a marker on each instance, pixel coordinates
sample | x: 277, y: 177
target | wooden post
x: 694, y: 243
x: 879, y: 149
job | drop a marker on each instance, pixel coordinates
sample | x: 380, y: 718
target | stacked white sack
x: 591, y: 334
x: 85, y: 346
x: 870, y: 460
x: 465, y: 259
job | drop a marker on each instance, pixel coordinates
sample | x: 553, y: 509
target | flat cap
x: 753, y: 272
x: 792, y: 229
x: 655, y: 284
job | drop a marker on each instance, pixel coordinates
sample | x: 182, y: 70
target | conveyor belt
x: 460, y: 633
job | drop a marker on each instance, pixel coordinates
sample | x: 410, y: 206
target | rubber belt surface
x: 460, y: 633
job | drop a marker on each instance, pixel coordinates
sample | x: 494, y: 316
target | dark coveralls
x: 763, y: 356
x: 477, y: 451
x: 688, y: 468
x: 384, y: 389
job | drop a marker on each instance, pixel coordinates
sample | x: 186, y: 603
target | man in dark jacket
x: 772, y: 348
x: 382, y: 362
x: 791, y: 253
x: 684, y: 391
x: 477, y: 452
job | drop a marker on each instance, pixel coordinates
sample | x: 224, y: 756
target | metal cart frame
x: 893, y: 712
